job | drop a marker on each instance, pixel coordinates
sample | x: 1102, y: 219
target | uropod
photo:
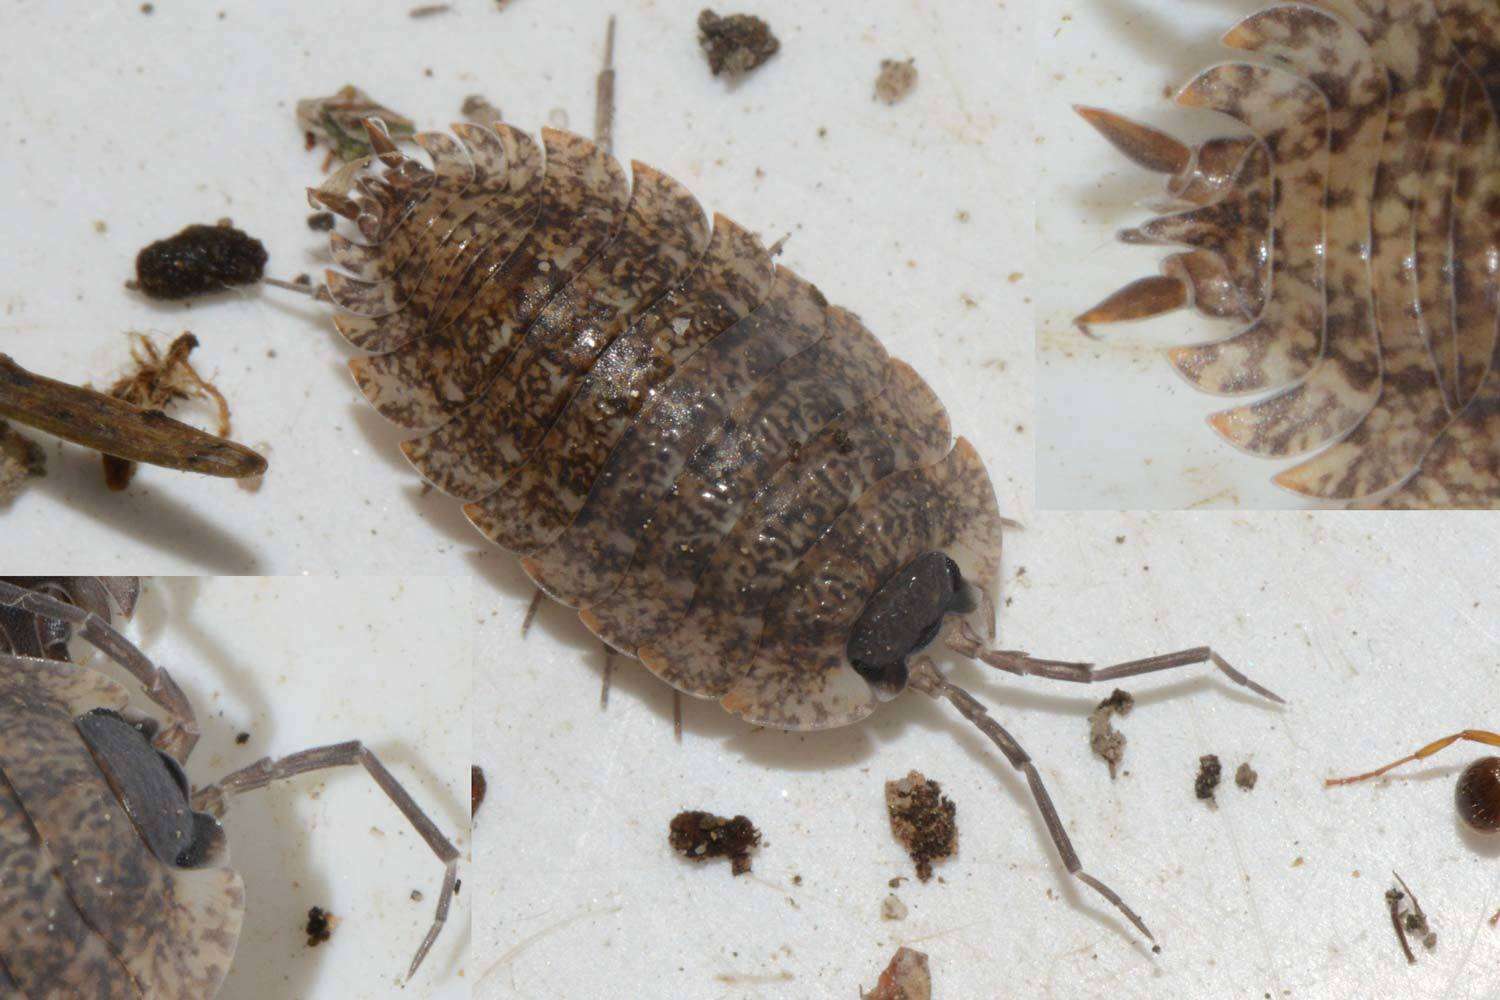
x: 114, y: 873
x: 722, y: 471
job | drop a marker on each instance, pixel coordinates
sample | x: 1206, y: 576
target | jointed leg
x: 180, y: 735
x: 926, y: 679
x: 1472, y: 735
x: 263, y: 772
x: 1014, y: 661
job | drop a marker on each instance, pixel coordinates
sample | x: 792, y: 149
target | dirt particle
x: 922, y: 820
x: 907, y: 977
x: 101, y: 227
x: 199, y: 259
x: 477, y: 789
x: 1245, y: 776
x: 1495, y: 920
x: 736, y: 44
x: 1107, y: 744
x: 892, y: 908
x: 699, y: 836
x: 897, y: 79
x: 20, y: 459
x: 1298, y: 861
x: 159, y: 379
x: 429, y: 10
x: 320, y: 222
x: 478, y: 109
x: 320, y: 925
x: 148, y: 8
x: 241, y: 739
x: 416, y: 896
x: 1209, y: 773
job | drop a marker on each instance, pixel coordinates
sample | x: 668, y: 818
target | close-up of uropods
x: 724, y: 473
x: 114, y: 871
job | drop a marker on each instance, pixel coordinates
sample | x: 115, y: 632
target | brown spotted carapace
x: 1353, y: 236
x: 723, y: 472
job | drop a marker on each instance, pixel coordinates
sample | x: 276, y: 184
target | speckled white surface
x: 298, y: 663
x: 1380, y: 630
x: 181, y: 117
x: 1118, y: 428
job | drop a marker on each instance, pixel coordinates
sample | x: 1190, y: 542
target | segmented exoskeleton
x: 722, y: 471
x: 1354, y: 236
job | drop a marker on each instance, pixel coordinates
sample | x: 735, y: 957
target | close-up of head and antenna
x: 1476, y: 795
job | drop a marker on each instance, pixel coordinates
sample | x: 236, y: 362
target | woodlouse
x: 118, y: 879
x: 1352, y: 237
x: 722, y: 471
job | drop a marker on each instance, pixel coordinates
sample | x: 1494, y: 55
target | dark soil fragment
x: 1103, y: 740
x: 160, y: 379
x: 699, y: 836
x: 922, y: 819
x: 1209, y: 773
x: 736, y: 44
x: 320, y: 925
x: 197, y: 260
x: 20, y: 459
x: 477, y: 788
x: 1245, y: 776
x: 897, y: 79
x: 320, y: 222
x: 905, y: 978
x: 242, y: 738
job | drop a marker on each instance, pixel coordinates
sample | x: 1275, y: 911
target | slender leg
x: 677, y: 714
x: 926, y: 679
x: 609, y: 676
x: 265, y: 771
x: 1023, y: 664
x: 176, y: 739
x: 536, y: 602
x: 1472, y: 735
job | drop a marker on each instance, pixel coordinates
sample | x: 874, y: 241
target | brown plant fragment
x: 922, y: 820
x: 320, y: 925
x: 1106, y: 743
x: 197, y: 260
x: 1209, y: 773
x: 699, y: 836
x: 896, y: 80
x: 20, y: 459
x: 158, y: 381
x: 905, y: 978
x: 428, y: 10
x: 336, y: 121
x: 1245, y: 776
x: 736, y: 44
x: 477, y: 789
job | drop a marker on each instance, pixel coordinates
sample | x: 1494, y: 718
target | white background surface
x: 1119, y: 429
x: 304, y: 663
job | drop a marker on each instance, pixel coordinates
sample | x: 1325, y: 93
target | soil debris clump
x: 897, y: 79
x: 1246, y: 776
x: 1210, y: 771
x: 1104, y: 740
x: 700, y: 836
x: 478, y: 787
x: 907, y: 977
x: 320, y: 925
x: 736, y: 44
x: 198, y: 260
x: 922, y: 820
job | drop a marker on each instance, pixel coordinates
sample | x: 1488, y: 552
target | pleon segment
x: 426, y: 380
x: 905, y: 427
x: 801, y: 677
x: 174, y: 930
x: 663, y: 235
x: 767, y: 430
x: 587, y: 560
x: 535, y: 504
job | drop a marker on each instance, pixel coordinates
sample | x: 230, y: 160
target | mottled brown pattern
x: 663, y: 234
x: 539, y: 501
x: 766, y: 431
x: 426, y: 380
x: 1413, y: 297
x: 903, y: 428
x: 684, y: 442
x: 173, y: 930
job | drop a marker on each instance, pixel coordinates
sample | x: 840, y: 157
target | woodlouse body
x: 1353, y: 236
x: 683, y: 440
x: 114, y: 872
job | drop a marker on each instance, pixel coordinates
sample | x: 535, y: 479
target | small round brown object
x: 1478, y: 795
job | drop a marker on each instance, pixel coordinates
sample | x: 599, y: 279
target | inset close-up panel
x: 309, y: 880
x: 1304, y: 198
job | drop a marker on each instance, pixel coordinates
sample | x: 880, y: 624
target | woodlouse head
x: 1477, y: 795
x: 904, y: 616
